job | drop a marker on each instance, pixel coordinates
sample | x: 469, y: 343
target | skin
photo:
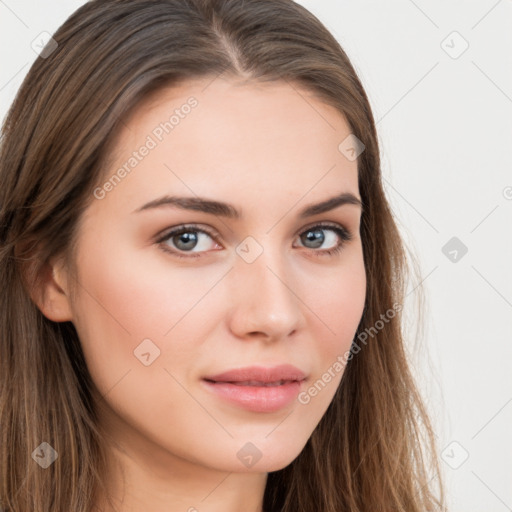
x: 269, y: 151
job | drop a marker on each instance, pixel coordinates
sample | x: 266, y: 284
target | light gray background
x: 445, y: 126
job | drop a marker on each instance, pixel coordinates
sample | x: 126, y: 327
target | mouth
x: 257, y: 388
x: 253, y: 383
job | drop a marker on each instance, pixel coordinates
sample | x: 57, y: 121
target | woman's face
x: 157, y: 312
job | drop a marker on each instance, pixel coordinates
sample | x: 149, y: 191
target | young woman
x: 201, y: 278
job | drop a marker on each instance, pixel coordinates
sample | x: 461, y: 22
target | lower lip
x: 257, y: 398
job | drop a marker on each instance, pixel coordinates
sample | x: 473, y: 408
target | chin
x: 273, y: 457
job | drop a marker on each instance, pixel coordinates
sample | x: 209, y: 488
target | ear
x: 51, y: 293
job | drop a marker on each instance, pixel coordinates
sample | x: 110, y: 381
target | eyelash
x: 343, y: 234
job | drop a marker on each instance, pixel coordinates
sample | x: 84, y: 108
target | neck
x: 144, y: 477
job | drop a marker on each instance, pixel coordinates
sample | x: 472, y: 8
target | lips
x: 256, y: 388
x: 259, y: 376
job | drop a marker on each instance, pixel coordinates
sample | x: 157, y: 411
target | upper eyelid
x: 323, y: 224
x: 166, y: 233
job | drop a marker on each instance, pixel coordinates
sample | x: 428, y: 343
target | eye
x: 185, y: 239
x: 315, y: 237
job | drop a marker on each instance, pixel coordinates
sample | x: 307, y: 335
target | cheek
x: 340, y: 298
x: 346, y: 304
x: 127, y: 298
x: 337, y: 307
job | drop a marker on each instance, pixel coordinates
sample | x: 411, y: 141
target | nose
x: 265, y: 304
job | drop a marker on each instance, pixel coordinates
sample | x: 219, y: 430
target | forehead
x: 215, y: 135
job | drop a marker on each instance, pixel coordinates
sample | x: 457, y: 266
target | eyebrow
x: 218, y: 208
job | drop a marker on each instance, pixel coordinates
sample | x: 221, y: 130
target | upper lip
x: 284, y: 372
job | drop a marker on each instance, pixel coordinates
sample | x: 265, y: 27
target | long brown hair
x: 373, y: 450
